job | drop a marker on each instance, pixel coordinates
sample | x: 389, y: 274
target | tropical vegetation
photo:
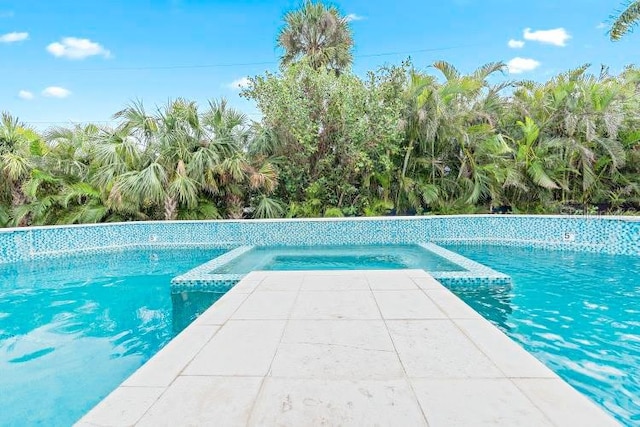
x: 400, y: 140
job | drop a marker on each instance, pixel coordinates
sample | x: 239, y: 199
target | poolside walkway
x: 389, y: 348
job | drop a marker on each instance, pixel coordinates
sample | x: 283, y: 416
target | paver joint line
x: 284, y: 330
x: 413, y: 392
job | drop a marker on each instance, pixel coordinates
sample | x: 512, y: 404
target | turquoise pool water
x: 579, y: 313
x: 72, y: 329
x: 388, y: 257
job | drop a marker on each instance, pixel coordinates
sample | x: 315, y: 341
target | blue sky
x: 77, y: 60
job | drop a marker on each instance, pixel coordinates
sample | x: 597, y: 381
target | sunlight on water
x: 577, y: 312
x: 72, y: 329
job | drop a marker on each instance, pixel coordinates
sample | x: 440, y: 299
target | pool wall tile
x: 612, y: 235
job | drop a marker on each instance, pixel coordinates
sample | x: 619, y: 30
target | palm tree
x: 319, y: 35
x: 453, y: 147
x: 574, y: 119
x: 626, y: 20
x: 19, y: 146
x: 181, y: 164
x: 155, y: 175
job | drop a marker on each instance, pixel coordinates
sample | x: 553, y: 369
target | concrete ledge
x: 344, y: 348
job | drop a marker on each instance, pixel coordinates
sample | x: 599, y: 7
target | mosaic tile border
x: 123, y: 248
x: 612, y: 235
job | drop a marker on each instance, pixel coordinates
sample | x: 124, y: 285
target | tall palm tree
x: 626, y: 20
x: 319, y: 35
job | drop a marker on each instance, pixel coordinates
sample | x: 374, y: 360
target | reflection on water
x: 189, y: 305
x: 579, y: 313
x: 493, y: 302
x: 72, y: 329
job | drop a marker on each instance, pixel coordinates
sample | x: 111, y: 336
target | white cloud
x: 520, y: 65
x: 601, y: 26
x: 25, y: 94
x: 13, y: 37
x: 56, y: 92
x: 241, y: 83
x: 75, y: 48
x: 515, y: 44
x: 353, y: 17
x: 556, y: 37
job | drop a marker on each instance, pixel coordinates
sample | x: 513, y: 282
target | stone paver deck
x: 389, y: 348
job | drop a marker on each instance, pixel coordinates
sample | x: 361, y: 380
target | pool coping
x: 202, y: 277
x: 209, y: 363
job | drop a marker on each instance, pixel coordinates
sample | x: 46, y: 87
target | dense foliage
x: 331, y: 143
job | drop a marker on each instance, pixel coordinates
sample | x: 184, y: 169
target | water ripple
x: 576, y: 312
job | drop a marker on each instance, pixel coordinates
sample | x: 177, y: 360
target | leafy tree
x: 333, y: 131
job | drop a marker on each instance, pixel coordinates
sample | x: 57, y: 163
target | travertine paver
x: 389, y: 348
x: 327, y: 349
x: 241, y: 347
x: 476, y: 402
x: 189, y: 402
x: 334, y: 283
x: 437, y: 349
x: 265, y: 305
x: 413, y: 304
x: 317, y: 402
x: 166, y: 365
x: 336, y: 305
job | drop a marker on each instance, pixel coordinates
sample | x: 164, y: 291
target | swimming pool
x: 387, y: 257
x: 73, y: 328
x: 579, y: 313
x: 34, y: 246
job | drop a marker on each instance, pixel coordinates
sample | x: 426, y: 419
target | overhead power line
x: 240, y: 64
x: 79, y: 122
x: 237, y: 64
x: 409, y: 52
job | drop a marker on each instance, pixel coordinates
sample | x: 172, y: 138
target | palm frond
x: 625, y: 21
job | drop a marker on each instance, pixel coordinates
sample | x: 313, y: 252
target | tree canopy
x: 398, y: 140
